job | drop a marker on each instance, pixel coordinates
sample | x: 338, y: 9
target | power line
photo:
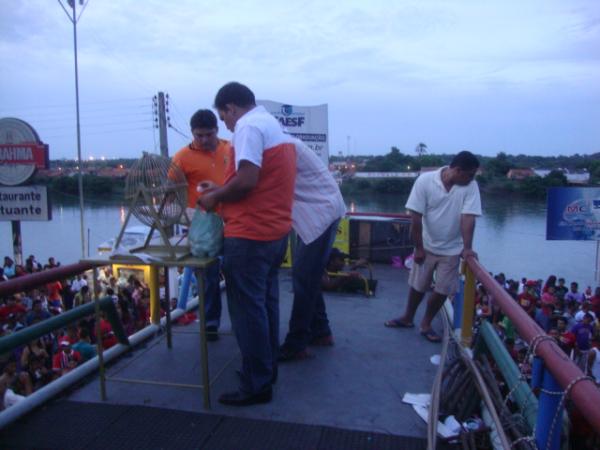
x: 72, y: 105
x: 179, y: 132
x: 56, y: 136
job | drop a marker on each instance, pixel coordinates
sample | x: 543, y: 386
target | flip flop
x: 397, y: 323
x: 431, y: 336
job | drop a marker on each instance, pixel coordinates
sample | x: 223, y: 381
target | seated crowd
x: 567, y: 314
x: 46, y: 358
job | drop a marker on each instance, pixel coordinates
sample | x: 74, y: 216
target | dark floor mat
x: 61, y: 425
x: 250, y: 434
x: 335, y: 438
x: 76, y: 425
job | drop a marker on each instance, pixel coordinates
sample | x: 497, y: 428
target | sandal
x: 431, y: 336
x: 398, y: 323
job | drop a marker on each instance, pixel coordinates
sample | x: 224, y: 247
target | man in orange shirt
x: 256, y: 202
x: 205, y: 159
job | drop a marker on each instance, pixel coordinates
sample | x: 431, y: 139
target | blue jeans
x: 251, y: 273
x: 309, y: 316
x: 212, y: 295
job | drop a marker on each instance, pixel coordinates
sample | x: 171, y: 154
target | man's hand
x: 208, y: 201
x: 467, y: 253
x: 419, y: 256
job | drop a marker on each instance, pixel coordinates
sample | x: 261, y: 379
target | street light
x: 74, y: 19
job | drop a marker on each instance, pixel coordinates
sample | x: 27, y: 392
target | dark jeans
x: 251, y: 273
x: 309, y: 316
x: 212, y: 295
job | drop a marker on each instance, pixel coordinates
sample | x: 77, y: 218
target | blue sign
x: 573, y: 214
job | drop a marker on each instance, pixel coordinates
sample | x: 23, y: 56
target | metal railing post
x: 468, y: 308
x: 457, y: 306
x: 99, y: 346
x: 154, y: 295
x: 550, y: 410
x: 203, y: 343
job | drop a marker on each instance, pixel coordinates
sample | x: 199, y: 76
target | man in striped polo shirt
x: 318, y: 207
x: 257, y: 209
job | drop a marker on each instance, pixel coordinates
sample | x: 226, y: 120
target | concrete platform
x: 357, y: 384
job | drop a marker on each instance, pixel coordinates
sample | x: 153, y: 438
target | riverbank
x: 533, y: 188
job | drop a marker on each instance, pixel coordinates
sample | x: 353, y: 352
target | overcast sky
x: 500, y: 75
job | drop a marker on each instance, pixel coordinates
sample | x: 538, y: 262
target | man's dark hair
x: 235, y: 93
x: 203, y: 118
x: 465, y: 160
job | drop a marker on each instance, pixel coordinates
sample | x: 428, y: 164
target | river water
x: 509, y: 237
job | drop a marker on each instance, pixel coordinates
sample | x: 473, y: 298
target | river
x: 509, y: 237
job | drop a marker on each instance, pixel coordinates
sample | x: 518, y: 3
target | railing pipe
x: 26, y: 335
x: 28, y: 282
x: 582, y: 391
x: 520, y: 390
x: 49, y: 391
x: 468, y: 309
x: 550, y: 412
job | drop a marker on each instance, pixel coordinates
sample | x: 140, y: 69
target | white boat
x: 133, y: 237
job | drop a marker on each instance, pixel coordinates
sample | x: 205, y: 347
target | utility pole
x: 74, y: 19
x: 162, y: 125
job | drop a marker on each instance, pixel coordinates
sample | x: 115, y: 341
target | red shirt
x: 108, y: 336
x: 63, y: 362
x: 595, y: 301
x: 527, y: 302
x: 566, y: 341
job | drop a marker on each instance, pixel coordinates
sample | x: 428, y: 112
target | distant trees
x: 498, y: 166
x: 394, y: 161
x: 92, y: 185
x: 420, y: 149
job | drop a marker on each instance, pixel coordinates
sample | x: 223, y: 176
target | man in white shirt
x: 443, y: 206
x: 316, y: 211
x: 256, y: 204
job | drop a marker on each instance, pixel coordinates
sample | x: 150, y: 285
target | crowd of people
x: 46, y: 358
x: 565, y: 312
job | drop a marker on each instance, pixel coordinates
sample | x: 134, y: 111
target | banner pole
x: 598, y: 262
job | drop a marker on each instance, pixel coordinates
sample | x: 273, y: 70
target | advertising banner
x: 307, y: 123
x: 26, y: 203
x: 26, y: 153
x: 573, y: 214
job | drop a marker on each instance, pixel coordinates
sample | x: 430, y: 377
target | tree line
x: 494, y: 171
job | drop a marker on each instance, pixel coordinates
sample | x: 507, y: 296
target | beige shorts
x: 446, y: 274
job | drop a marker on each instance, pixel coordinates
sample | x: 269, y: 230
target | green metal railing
x: 26, y: 335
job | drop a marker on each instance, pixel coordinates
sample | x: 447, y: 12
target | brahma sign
x: 21, y: 151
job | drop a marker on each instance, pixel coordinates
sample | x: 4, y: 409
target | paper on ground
x: 442, y: 429
x: 417, y: 399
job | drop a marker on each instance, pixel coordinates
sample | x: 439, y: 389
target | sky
x: 501, y: 75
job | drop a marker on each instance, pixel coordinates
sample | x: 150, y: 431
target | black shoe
x: 273, y: 378
x: 212, y: 333
x: 237, y: 398
x: 286, y: 354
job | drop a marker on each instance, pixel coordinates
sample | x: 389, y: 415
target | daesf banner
x: 307, y: 123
